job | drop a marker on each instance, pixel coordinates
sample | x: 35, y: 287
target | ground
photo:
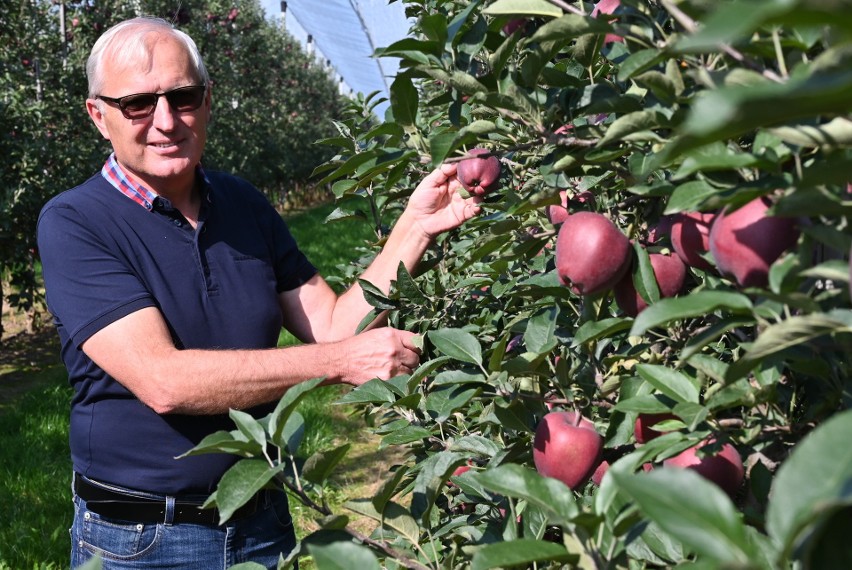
x: 23, y: 351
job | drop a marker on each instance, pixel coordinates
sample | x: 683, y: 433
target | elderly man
x: 169, y: 285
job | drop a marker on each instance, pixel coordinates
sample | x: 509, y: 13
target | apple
x: 690, y: 236
x: 599, y: 473
x: 670, y: 273
x: 566, y: 447
x: 642, y: 427
x: 724, y: 468
x: 591, y: 253
x: 557, y: 213
x: 513, y: 24
x: 607, y: 7
x: 746, y: 242
x: 477, y: 173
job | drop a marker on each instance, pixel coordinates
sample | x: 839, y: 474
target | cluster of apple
x: 567, y: 447
x: 593, y: 255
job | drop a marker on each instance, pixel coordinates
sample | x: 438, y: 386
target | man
x: 169, y: 285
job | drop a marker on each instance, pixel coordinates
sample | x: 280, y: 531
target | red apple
x: 566, y: 447
x: 670, y: 273
x: 479, y: 174
x: 747, y: 241
x: 512, y: 25
x: 591, y: 253
x: 557, y: 213
x: 642, y: 428
x: 690, y: 235
x: 725, y: 468
x: 607, y: 7
x: 599, y: 473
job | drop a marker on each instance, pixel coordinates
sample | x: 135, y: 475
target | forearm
x: 214, y: 381
x: 407, y: 243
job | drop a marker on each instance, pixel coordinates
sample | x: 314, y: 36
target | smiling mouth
x: 164, y: 145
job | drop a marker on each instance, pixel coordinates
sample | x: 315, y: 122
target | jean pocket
x: 115, y: 539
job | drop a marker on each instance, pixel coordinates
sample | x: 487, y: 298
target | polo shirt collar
x: 117, y: 177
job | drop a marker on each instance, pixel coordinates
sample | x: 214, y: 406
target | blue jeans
x: 261, y: 538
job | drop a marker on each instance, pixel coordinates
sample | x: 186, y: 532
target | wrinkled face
x: 162, y: 150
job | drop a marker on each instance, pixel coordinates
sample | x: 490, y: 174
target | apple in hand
x: 669, y: 272
x: 724, y: 468
x: 479, y: 174
x: 592, y: 254
x: 642, y: 428
x: 747, y: 241
x: 566, y: 447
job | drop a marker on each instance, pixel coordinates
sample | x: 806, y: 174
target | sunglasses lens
x: 186, y: 99
x: 138, y: 106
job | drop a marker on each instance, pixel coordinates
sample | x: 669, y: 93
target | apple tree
x: 683, y: 324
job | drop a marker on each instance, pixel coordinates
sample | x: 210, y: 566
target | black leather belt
x: 114, y: 504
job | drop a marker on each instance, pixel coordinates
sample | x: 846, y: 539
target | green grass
x: 35, y: 464
x: 35, y: 477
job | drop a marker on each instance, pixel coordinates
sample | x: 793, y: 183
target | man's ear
x: 93, y: 107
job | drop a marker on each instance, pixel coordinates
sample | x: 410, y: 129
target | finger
x: 411, y: 341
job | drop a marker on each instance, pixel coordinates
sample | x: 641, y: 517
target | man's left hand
x: 436, y: 205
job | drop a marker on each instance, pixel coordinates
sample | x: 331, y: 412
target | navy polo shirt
x: 105, y: 256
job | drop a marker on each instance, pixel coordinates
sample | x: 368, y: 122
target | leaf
x: 781, y: 336
x: 393, y: 516
x: 522, y: 551
x: 388, y: 488
x: 406, y: 285
x: 286, y: 405
x: 523, y: 8
x: 689, y: 197
x: 319, y: 466
x: 593, y: 330
x: 476, y: 444
x: 812, y: 483
x: 374, y: 391
x: 292, y: 434
x: 674, y: 384
x: 539, y: 336
x: 223, y: 442
x: 343, y: 556
x: 694, y: 305
x: 432, y: 475
x: 629, y: 124
x: 691, y: 509
x: 376, y: 297
x: 405, y: 435
x: 404, y: 100
x: 241, y: 482
x: 249, y: 427
x: 457, y: 344
x: 551, y: 495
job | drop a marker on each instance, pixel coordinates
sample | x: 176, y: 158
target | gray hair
x: 130, y: 39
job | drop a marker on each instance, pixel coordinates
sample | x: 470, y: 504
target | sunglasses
x: 142, y: 105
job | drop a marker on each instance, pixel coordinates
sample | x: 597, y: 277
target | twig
x: 690, y: 26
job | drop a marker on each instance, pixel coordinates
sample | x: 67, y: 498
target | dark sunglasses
x: 141, y: 105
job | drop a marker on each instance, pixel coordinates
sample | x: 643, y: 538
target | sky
x: 345, y: 33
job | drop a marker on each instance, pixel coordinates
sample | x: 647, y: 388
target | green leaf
x: 781, y: 336
x: 393, y: 516
x: 693, y: 510
x: 812, y: 483
x: 593, y: 330
x: 674, y: 384
x: 690, y: 196
x: 319, y: 466
x: 694, y: 305
x: 249, y: 427
x: 223, y: 442
x: 240, y: 483
x: 644, y: 278
x: 405, y: 435
x: 540, y: 334
x: 388, y: 488
x: 629, y: 124
x: 292, y: 434
x: 406, y: 285
x: 343, y: 556
x: 433, y: 473
x: 457, y: 344
x: 476, y: 444
x: 374, y: 391
x: 404, y: 100
x: 549, y: 494
x: 523, y: 8
x: 286, y: 405
x: 376, y: 297
x: 522, y: 551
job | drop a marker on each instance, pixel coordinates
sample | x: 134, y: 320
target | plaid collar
x: 116, y: 176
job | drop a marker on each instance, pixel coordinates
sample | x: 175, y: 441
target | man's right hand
x: 381, y: 353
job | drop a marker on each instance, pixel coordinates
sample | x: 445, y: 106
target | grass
x: 35, y: 466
